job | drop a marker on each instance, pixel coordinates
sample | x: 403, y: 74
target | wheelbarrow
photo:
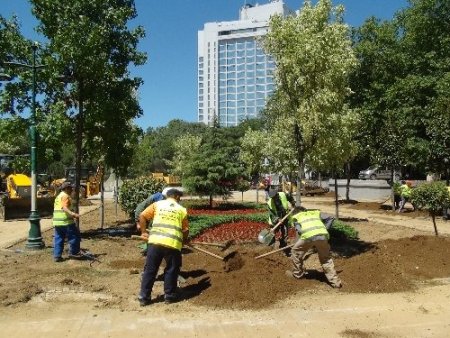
x: 267, y: 236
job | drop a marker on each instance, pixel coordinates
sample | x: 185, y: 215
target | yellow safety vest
x: 311, y: 224
x: 284, y: 203
x: 60, y: 217
x: 167, y: 224
x: 405, y: 190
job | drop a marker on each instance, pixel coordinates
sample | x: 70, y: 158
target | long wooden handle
x: 281, y: 221
x: 211, y: 244
x: 138, y: 237
x: 188, y: 245
x: 206, y: 252
x: 274, y: 251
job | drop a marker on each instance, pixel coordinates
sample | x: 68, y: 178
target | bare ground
x: 385, y: 260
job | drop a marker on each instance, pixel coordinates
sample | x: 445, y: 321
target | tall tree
x: 91, y: 44
x: 314, y: 57
x: 214, y: 168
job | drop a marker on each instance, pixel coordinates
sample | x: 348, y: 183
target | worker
x: 64, y: 223
x: 158, y: 196
x: 278, y: 204
x: 170, y: 229
x: 405, y: 194
x: 312, y: 228
x: 446, y: 209
x: 267, y: 187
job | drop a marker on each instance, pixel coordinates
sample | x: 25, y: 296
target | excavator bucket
x: 19, y: 208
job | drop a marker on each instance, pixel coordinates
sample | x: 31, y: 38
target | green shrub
x: 432, y: 197
x: 134, y: 191
x: 342, y: 230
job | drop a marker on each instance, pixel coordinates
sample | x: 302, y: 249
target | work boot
x: 58, y: 259
x: 78, y: 255
x: 144, y: 301
x: 172, y: 298
x: 290, y: 274
x: 337, y: 285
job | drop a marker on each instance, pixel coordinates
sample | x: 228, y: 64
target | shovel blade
x: 266, y: 237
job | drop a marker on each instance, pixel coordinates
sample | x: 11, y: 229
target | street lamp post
x: 35, y: 241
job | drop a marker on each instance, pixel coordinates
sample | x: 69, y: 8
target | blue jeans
x: 73, y: 236
x: 155, y: 255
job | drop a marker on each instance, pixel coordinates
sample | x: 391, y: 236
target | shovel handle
x: 206, y: 252
x: 274, y: 251
x: 138, y: 237
x: 281, y: 221
x: 211, y: 244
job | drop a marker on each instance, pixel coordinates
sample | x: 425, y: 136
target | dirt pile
x: 384, y: 266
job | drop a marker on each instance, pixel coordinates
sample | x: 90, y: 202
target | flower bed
x: 241, y: 223
x: 241, y: 231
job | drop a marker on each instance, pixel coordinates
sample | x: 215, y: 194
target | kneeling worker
x: 312, y: 230
x: 169, y: 230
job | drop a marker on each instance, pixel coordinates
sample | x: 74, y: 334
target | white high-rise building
x: 235, y: 76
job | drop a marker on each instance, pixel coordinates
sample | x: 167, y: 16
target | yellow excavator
x: 15, y: 200
x: 89, y: 182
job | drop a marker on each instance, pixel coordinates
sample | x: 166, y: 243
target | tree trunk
x: 211, y: 201
x: 79, y: 149
x: 392, y: 189
x: 433, y: 217
x: 336, y: 195
x: 102, y: 203
x: 347, y: 187
x: 298, y: 199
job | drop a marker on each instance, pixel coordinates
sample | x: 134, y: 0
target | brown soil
x: 385, y: 259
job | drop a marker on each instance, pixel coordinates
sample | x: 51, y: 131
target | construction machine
x: 89, y: 182
x: 170, y: 180
x: 15, y: 200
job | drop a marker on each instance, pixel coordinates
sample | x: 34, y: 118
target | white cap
x: 166, y: 189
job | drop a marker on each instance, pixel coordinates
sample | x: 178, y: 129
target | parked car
x: 378, y: 173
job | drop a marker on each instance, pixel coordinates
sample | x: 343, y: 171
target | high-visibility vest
x: 311, y: 224
x: 405, y: 190
x: 167, y: 224
x: 60, y: 217
x: 284, y: 203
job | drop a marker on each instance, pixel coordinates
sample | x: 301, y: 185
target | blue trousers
x: 73, y: 236
x: 155, y: 255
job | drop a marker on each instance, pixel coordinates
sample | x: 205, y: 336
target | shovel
x: 274, y: 251
x: 266, y: 236
x: 223, y: 246
x: 189, y: 246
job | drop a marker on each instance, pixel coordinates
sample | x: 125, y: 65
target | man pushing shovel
x: 312, y: 228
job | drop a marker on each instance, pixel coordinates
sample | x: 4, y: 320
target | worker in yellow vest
x: 446, y: 209
x: 278, y: 205
x: 405, y: 194
x: 64, y: 223
x: 170, y: 228
x: 312, y: 228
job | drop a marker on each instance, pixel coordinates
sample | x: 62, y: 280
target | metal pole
x: 34, y: 236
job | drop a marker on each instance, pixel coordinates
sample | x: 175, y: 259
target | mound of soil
x: 388, y: 265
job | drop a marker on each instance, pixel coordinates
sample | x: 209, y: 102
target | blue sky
x: 170, y: 75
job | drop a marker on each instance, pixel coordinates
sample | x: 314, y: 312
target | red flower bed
x: 242, y: 231
x: 195, y: 212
